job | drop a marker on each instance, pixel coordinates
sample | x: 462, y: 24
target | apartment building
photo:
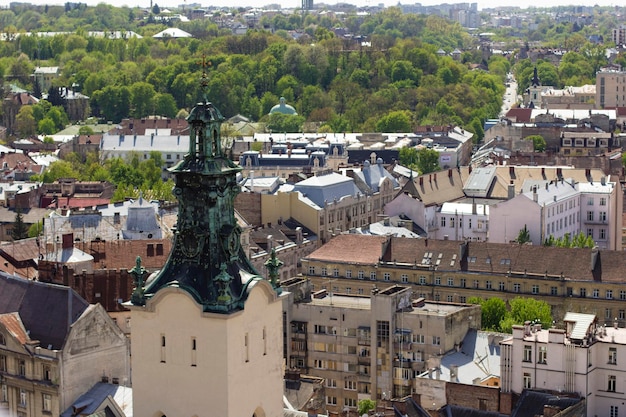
x: 610, y: 89
x: 583, y: 358
x: 559, y: 207
x: 369, y: 346
x: 330, y: 203
x: 568, y: 279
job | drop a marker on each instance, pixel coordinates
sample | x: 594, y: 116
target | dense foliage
x: 496, y: 317
x: 132, y: 177
x: 395, y: 81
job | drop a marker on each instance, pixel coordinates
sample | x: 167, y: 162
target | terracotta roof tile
x: 355, y: 249
x: 13, y: 323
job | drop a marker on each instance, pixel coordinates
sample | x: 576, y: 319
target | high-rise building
x: 207, y: 329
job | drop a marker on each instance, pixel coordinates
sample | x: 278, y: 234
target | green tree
x: 56, y: 170
x: 20, y: 230
x: 46, y: 126
x: 365, y: 406
x: 165, y: 105
x: 493, y: 311
x: 539, y: 143
x: 288, y: 123
x: 25, y: 121
x: 142, y: 94
x: 528, y: 309
x: 35, y: 229
x: 85, y: 130
x: 409, y: 157
x: 395, y: 121
x: 523, y: 236
x: 428, y: 161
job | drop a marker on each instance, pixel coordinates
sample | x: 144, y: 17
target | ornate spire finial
x: 272, y: 265
x: 204, y: 80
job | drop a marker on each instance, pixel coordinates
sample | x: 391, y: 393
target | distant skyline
x: 483, y: 4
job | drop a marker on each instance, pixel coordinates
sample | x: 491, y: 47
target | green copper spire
x: 206, y: 259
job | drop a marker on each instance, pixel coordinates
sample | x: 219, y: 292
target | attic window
x: 150, y: 250
x: 488, y: 260
x: 505, y: 262
x: 2, y: 340
x: 472, y: 259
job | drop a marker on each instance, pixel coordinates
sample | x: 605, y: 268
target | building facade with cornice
x: 568, y: 279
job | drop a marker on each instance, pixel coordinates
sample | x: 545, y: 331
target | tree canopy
x: 496, y: 317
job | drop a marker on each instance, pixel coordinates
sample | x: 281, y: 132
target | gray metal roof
x: 326, y: 188
x: 44, y: 308
x: 92, y: 400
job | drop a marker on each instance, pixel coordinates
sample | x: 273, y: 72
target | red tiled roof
x: 13, y: 323
x: 94, y: 139
x: 355, y: 249
x: 79, y: 202
x: 521, y: 115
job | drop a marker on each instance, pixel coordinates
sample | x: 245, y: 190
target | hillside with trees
x: 393, y: 82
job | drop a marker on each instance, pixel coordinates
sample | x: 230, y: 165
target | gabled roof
x: 437, y: 187
x: 517, y: 175
x: 46, y: 310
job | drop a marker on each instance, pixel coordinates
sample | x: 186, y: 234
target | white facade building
x: 583, y: 358
x: 462, y: 221
x: 172, y: 147
x: 557, y: 208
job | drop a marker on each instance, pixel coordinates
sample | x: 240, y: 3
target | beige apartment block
x: 335, y: 216
x: 610, y: 89
x: 568, y: 279
x: 370, y: 346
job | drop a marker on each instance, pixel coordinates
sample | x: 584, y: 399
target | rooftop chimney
x: 511, y: 190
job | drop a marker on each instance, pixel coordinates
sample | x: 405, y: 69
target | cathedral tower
x: 206, y: 333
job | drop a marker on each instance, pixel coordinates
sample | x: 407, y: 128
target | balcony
x: 364, y: 360
x: 402, y: 346
x: 364, y: 341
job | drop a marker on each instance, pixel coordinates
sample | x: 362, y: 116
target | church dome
x: 283, y: 108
